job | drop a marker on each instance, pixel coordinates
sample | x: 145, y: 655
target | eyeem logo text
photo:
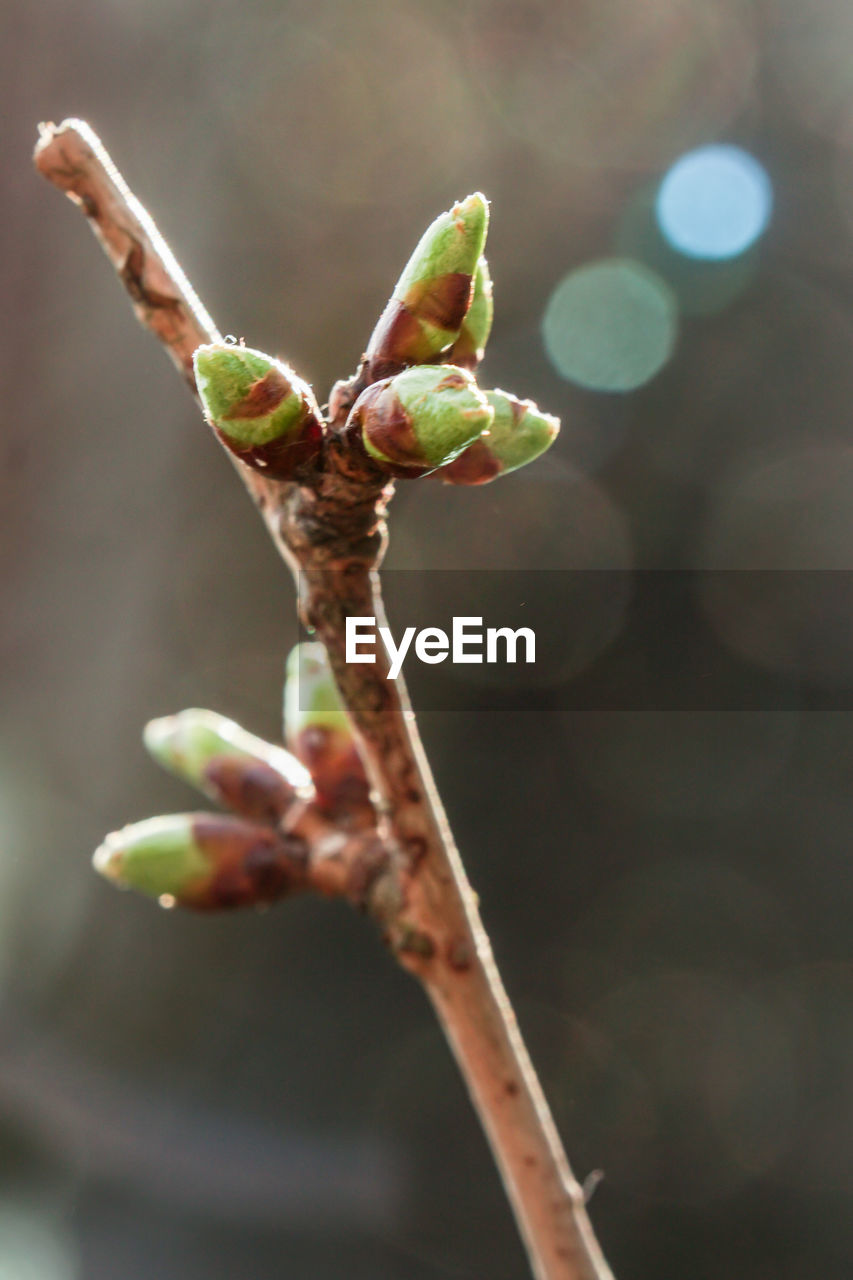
x: 468, y: 642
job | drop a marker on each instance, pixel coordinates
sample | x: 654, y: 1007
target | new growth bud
x: 467, y: 351
x: 318, y: 732
x: 259, y: 408
x: 419, y: 420
x: 426, y: 310
x: 519, y: 433
x: 231, y: 766
x: 200, y: 860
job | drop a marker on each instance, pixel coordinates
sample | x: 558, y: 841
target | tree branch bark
x: 331, y: 533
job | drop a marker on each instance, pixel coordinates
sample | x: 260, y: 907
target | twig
x: 72, y: 156
x: 331, y: 533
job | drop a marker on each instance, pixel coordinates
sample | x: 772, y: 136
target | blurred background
x: 668, y: 885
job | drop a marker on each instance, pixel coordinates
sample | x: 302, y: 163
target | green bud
x: 200, y: 860
x: 317, y: 730
x: 519, y: 433
x: 426, y: 310
x: 467, y: 351
x: 311, y: 697
x: 159, y: 856
x: 227, y: 763
x: 420, y: 419
x: 259, y: 408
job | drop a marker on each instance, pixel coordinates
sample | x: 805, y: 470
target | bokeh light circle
x: 714, y: 202
x: 702, y: 286
x: 610, y: 325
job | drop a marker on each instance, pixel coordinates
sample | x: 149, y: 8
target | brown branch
x: 434, y: 927
x: 339, y: 863
x: 73, y: 158
x: 332, y: 534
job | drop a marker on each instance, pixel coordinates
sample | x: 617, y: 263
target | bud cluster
x: 280, y: 802
x: 414, y: 409
x: 419, y: 409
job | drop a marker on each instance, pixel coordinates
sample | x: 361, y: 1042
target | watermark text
x: 467, y: 642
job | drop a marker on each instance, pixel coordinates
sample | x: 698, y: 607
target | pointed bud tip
x: 430, y: 300
x: 308, y: 659
x: 473, y: 209
x: 214, y: 362
x: 261, y: 410
x: 227, y: 373
x: 204, y: 355
x: 184, y: 743
x: 452, y: 243
x: 158, y: 736
x: 520, y: 431
x: 518, y: 434
x: 107, y: 858
x: 191, y: 742
x: 156, y: 856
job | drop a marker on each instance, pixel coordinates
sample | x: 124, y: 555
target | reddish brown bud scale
x: 249, y: 865
x: 204, y: 861
x: 464, y: 354
x: 418, y: 420
x: 398, y: 334
x: 318, y: 732
x: 477, y: 465
x: 260, y: 409
x: 430, y: 300
x: 442, y: 301
x: 400, y: 338
x: 380, y: 413
x: 340, y: 783
x: 468, y: 349
x: 280, y: 459
x: 248, y: 787
x: 264, y: 395
x: 518, y: 434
